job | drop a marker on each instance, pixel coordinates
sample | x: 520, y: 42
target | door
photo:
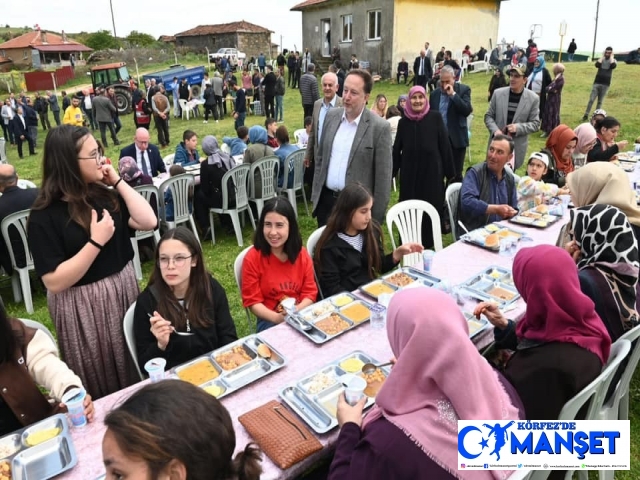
x: 326, y: 37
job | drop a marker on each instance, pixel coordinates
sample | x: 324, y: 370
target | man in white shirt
x: 422, y: 69
x: 355, y: 147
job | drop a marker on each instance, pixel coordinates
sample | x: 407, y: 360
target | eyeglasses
x: 178, y: 261
x: 96, y: 156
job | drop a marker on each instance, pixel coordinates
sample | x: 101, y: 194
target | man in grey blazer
x: 514, y: 111
x: 355, y: 147
x: 330, y: 100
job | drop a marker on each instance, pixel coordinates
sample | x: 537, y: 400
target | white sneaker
x: 217, y: 121
x: 205, y: 121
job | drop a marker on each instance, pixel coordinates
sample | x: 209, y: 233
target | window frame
x: 343, y: 18
x: 377, y: 25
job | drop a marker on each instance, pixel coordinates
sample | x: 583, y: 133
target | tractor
x: 117, y: 76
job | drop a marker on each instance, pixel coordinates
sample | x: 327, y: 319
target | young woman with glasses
x: 183, y: 312
x: 79, y: 234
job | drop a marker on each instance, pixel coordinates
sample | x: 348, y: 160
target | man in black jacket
x: 269, y: 85
x: 403, y: 70
x: 31, y: 117
x: 41, y: 106
x: 422, y: 70
x: 21, y: 132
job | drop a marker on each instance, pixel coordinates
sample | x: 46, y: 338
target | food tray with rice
x: 493, y: 284
x: 40, y: 451
x: 331, y: 317
x: 315, y: 397
x: 541, y: 216
x: 232, y: 367
x: 421, y: 277
x: 488, y: 237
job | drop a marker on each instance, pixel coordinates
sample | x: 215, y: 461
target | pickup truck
x: 236, y: 57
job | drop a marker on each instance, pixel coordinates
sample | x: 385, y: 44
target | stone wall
x: 254, y: 43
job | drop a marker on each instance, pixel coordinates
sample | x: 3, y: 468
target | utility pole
x: 595, y: 33
x: 113, y: 19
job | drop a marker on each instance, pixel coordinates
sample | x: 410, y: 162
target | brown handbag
x: 280, y: 434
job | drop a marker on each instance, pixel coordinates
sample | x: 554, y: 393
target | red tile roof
x: 307, y: 3
x: 243, y: 27
x: 35, y: 39
x: 167, y: 38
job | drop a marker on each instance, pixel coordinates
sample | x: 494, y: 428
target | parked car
x: 233, y: 55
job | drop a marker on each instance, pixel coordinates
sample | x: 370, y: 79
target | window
x: 374, y: 24
x: 347, y: 21
x: 25, y: 54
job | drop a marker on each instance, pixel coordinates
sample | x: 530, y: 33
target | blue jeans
x: 264, y: 325
x: 279, y: 110
x: 117, y: 123
x: 571, y: 57
x: 240, y: 120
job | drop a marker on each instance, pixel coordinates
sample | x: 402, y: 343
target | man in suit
x: 422, y: 70
x: 403, y: 70
x: 21, y: 132
x: 453, y: 101
x: 514, y: 111
x: 321, y: 106
x: 147, y: 155
x: 355, y: 147
x: 104, y: 110
x: 13, y: 199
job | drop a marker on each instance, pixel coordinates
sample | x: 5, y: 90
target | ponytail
x: 246, y: 465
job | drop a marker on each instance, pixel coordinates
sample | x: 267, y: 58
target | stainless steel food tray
x: 232, y: 380
x: 544, y: 221
x: 318, y: 409
x: 309, y: 316
x: 476, y: 237
x: 476, y: 326
x: 45, y: 460
x: 482, y: 285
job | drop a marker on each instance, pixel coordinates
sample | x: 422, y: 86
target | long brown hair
x: 353, y: 197
x: 174, y: 420
x: 61, y: 177
x: 199, y: 295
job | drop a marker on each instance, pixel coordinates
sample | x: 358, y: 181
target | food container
x: 481, y: 236
x: 375, y: 288
x: 492, y: 284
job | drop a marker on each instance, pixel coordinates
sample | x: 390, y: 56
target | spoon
x: 370, y: 367
x: 462, y: 226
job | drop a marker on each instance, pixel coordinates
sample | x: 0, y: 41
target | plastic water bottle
x: 378, y: 316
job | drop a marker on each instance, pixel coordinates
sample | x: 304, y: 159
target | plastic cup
x: 355, y: 390
x: 155, y: 369
x: 427, y: 260
x: 565, y: 203
x: 636, y: 148
x: 505, y: 247
x: 384, y: 299
x: 74, y: 400
x: 378, y: 316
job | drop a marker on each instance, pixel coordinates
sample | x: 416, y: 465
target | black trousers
x: 399, y: 74
x: 162, y: 125
x: 420, y: 80
x: 218, y: 107
x: 458, y: 162
x: 27, y: 138
x: 270, y: 106
x: 44, y: 120
x: 308, y: 110
x: 103, y: 133
x: 210, y: 109
x: 325, y: 205
x: 56, y: 117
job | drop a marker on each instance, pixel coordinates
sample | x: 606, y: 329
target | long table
x: 456, y: 263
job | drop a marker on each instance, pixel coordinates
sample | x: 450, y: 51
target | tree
x: 101, y: 40
x: 139, y: 39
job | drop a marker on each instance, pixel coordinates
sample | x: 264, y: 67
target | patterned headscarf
x: 128, y: 169
x: 607, y: 243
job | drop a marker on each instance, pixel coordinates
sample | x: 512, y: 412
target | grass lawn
x: 622, y: 102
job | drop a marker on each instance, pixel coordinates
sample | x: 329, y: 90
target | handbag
x: 280, y: 434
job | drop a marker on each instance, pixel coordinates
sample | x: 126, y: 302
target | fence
x: 44, y: 80
x: 11, y: 82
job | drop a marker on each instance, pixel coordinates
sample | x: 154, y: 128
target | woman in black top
x: 79, y: 234
x: 606, y: 148
x: 183, y: 312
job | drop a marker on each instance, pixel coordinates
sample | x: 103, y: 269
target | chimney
x: 64, y: 37
x: 44, y: 37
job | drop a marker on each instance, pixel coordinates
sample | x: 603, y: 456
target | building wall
x: 212, y: 42
x: 16, y: 55
x: 254, y: 43
x: 377, y: 52
x: 468, y: 22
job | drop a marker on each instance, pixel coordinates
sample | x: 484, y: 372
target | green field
x: 622, y: 102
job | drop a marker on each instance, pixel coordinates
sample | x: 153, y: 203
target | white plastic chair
x: 39, y: 326
x: 451, y: 197
x: 311, y: 248
x: 168, y: 161
x: 185, y: 108
x: 297, y: 134
x: 24, y: 184
x: 225, y: 148
x: 237, y: 271
x: 295, y: 160
x: 268, y: 168
x: 464, y: 65
x: 407, y: 217
x: 179, y: 186
x: 129, y: 337
x: 239, y: 176
x: 20, y: 280
x: 150, y: 194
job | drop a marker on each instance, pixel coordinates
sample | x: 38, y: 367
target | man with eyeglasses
x: 147, y: 155
x: 514, y: 111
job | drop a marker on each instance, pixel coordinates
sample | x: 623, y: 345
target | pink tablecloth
x: 456, y: 263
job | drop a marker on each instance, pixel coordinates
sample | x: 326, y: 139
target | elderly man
x: 355, y: 147
x: 489, y: 192
x: 161, y: 109
x: 422, y: 69
x: 55, y: 107
x: 514, y: 111
x: 147, y: 155
x: 453, y: 101
x: 13, y: 199
x: 403, y: 70
x: 329, y: 100
x: 309, y: 90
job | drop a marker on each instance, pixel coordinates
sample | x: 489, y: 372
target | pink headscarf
x: 439, y: 378
x: 586, y: 135
x: 557, y: 311
x: 408, y: 111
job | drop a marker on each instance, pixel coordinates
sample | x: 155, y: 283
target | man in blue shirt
x: 489, y: 193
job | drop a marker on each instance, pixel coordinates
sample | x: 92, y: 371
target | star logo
x: 484, y: 443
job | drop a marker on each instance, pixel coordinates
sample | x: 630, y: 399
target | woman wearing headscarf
x: 412, y: 430
x: 587, y: 137
x: 402, y: 103
x: 131, y: 174
x: 606, y: 253
x: 256, y: 150
x: 560, y: 145
x: 538, y: 81
x: 560, y: 344
x: 422, y: 154
x: 209, y: 195
x: 551, y: 115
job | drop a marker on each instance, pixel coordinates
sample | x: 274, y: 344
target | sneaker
x: 585, y: 118
x: 544, y: 135
x: 217, y: 121
x: 205, y: 121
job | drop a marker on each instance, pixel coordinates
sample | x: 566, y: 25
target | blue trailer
x: 193, y: 75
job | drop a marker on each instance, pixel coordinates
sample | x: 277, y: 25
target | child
x: 303, y: 138
x: 168, y: 196
x: 532, y: 191
x: 239, y: 144
x: 349, y: 252
x: 271, y: 125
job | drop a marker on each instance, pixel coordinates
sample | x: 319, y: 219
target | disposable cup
x: 155, y: 369
x: 565, y: 202
x: 355, y: 390
x: 74, y: 400
x: 427, y: 260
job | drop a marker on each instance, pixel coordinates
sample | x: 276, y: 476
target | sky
x: 617, y: 20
